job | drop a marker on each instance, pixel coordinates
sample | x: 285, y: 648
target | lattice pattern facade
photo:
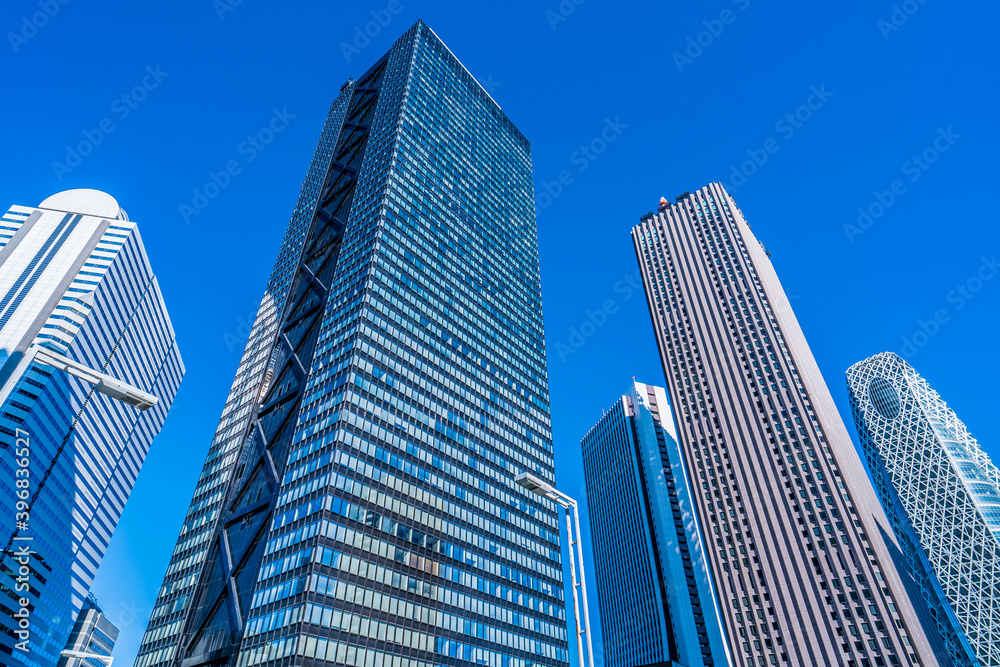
x: 942, y: 495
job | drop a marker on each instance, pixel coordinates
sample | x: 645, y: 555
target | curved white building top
x: 86, y: 202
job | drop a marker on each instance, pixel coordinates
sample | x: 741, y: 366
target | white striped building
x: 75, y: 285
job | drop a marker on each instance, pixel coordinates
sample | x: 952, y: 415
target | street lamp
x: 104, y: 384
x: 80, y: 655
x: 543, y: 488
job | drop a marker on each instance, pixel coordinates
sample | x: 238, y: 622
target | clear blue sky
x: 680, y: 122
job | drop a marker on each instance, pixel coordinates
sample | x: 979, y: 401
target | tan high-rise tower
x: 802, y: 557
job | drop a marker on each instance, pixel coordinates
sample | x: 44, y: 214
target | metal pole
x: 539, y: 486
x: 583, y: 583
x: 80, y: 656
x: 576, y: 604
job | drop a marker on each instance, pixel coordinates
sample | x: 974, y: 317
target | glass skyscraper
x: 84, y: 339
x: 357, y: 504
x: 801, y: 554
x: 942, y: 494
x: 653, y: 585
x: 92, y: 634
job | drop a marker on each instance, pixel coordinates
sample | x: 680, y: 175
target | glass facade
x: 79, y: 285
x: 942, y: 494
x: 357, y: 505
x: 653, y: 585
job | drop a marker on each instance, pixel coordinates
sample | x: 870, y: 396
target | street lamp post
x: 543, y: 488
x: 104, y: 384
x: 81, y: 655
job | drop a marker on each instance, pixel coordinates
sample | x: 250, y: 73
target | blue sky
x: 810, y: 110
